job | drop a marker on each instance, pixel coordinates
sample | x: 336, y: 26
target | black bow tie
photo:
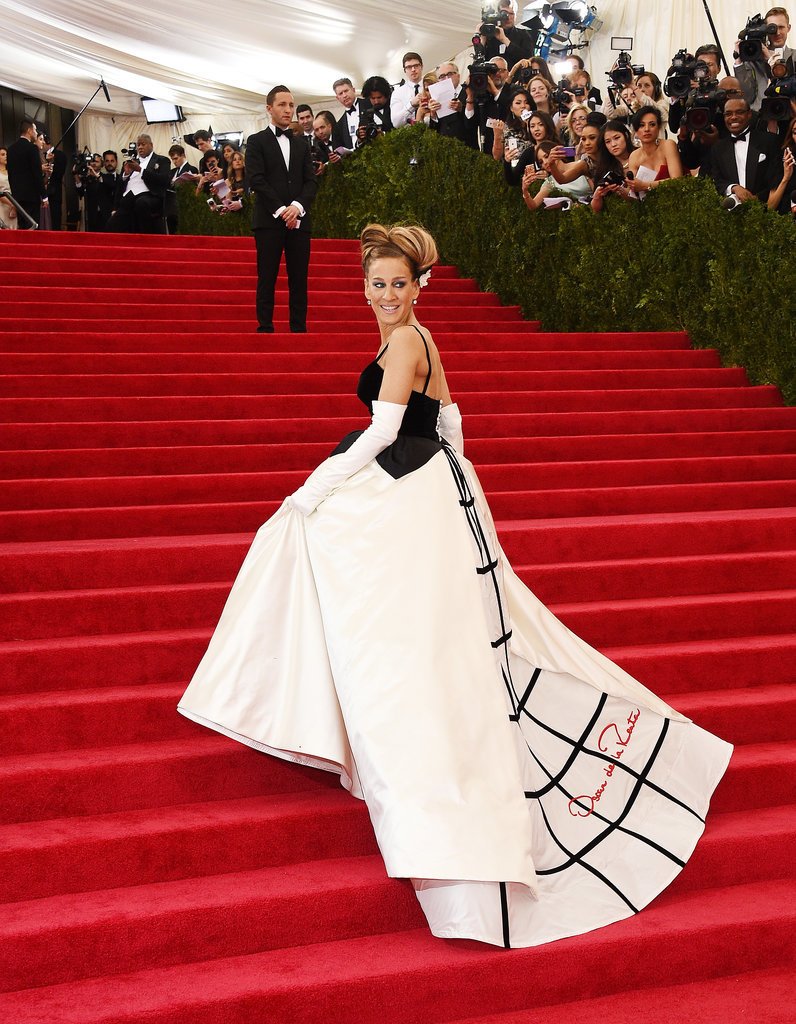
x: 282, y: 131
x: 741, y: 137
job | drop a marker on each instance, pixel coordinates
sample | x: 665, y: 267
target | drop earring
x: 368, y: 301
x: 414, y: 302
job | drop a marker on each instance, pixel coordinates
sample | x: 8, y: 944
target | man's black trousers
x: 271, y: 243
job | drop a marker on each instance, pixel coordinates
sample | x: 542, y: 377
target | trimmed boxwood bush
x: 677, y: 261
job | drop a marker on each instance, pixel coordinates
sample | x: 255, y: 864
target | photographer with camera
x: 747, y: 165
x: 488, y: 97
x: 645, y: 90
x: 500, y: 35
x: 141, y: 192
x: 763, y: 56
x: 322, y: 152
x: 375, y: 120
x: 87, y: 175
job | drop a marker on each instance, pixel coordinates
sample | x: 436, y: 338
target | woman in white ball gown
x: 529, y: 787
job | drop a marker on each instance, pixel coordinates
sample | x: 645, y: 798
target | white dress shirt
x: 283, y: 141
x: 740, y: 151
x: 401, y: 109
x: 135, y: 183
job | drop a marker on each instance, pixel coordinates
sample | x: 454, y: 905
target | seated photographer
x: 783, y: 196
x: 758, y: 51
x: 656, y: 159
x: 576, y: 189
x: 375, y: 121
x: 574, y: 124
x: 614, y: 148
x: 140, y: 205
x: 506, y: 39
x: 749, y: 163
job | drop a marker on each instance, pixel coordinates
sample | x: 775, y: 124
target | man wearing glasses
x: 406, y: 96
x: 452, y: 123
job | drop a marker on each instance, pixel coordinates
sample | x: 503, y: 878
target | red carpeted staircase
x: 154, y: 871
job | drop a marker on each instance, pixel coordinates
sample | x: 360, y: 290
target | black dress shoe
x: 269, y: 329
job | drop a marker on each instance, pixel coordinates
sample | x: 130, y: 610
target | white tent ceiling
x: 222, y: 57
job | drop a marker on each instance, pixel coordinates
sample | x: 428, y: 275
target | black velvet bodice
x: 422, y: 412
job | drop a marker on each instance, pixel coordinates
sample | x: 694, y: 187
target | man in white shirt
x: 405, y: 97
x: 141, y: 191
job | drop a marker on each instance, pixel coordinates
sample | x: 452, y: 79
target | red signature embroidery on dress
x: 582, y: 806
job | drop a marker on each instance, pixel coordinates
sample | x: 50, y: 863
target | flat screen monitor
x: 161, y: 112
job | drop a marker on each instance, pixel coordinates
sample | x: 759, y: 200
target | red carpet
x: 154, y: 871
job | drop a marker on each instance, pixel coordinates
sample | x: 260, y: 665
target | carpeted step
x: 755, y: 995
x: 242, y: 430
x: 659, y: 577
x: 211, y: 517
x: 344, y: 384
x: 99, y: 780
x: 103, y: 851
x: 121, y: 462
x: 77, y: 719
x: 88, y: 491
x: 124, y: 659
x: 626, y: 536
x: 738, y: 661
x: 406, y: 977
x: 493, y: 406
x: 137, y: 928
x: 344, y: 361
x: 192, y: 339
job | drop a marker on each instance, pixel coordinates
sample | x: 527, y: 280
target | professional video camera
x: 753, y: 38
x: 480, y: 70
x: 491, y: 19
x: 131, y: 151
x: 367, y: 120
x: 776, y: 100
x: 80, y: 163
x: 625, y: 71
x: 680, y: 74
x: 703, y: 102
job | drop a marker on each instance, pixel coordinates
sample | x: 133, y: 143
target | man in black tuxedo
x: 452, y: 123
x: 281, y: 175
x: 25, y: 175
x: 180, y: 166
x: 345, y: 131
x: 141, y: 192
x: 747, y: 164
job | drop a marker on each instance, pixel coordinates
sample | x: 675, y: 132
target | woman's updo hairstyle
x: 413, y: 244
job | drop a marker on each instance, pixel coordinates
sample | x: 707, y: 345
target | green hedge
x: 676, y: 261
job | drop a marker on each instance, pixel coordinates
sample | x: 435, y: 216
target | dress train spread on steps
x: 529, y: 787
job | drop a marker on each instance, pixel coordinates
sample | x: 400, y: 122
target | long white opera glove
x: 450, y: 426
x: 383, y: 430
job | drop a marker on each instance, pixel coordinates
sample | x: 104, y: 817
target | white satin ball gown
x: 529, y: 787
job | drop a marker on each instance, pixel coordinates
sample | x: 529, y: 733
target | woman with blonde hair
x: 528, y: 787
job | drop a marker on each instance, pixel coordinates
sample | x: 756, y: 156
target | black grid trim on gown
x: 488, y: 570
